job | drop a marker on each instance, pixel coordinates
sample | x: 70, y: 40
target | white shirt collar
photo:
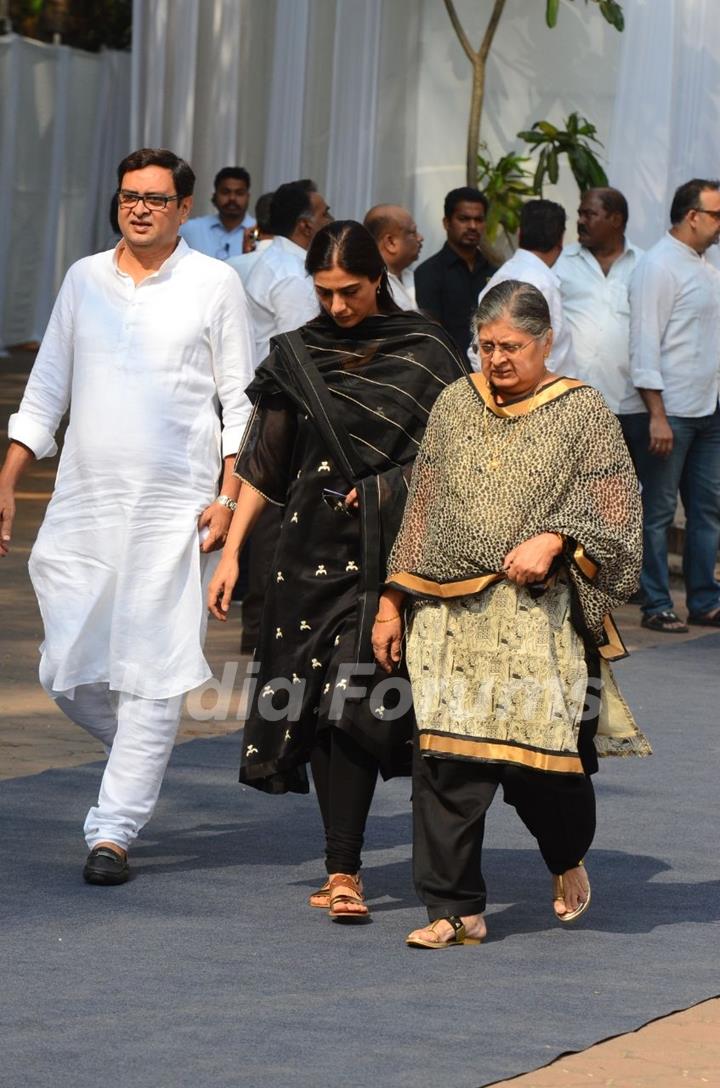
x: 180, y: 251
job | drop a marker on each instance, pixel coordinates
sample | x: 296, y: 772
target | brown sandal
x: 346, y: 891
x: 321, y: 898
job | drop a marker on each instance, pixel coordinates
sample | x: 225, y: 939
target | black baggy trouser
x: 450, y: 799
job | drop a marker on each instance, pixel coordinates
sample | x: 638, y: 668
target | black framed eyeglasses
x: 707, y: 211
x: 154, y: 202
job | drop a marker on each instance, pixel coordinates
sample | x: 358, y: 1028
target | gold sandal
x: 345, y: 891
x: 559, y: 897
x: 459, y: 935
x: 321, y: 898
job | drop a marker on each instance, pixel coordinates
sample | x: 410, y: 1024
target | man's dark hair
x: 456, y: 196
x: 612, y: 201
x: 542, y: 225
x: 349, y: 245
x: 237, y: 173
x: 687, y: 197
x: 113, y: 215
x: 182, y: 173
x: 290, y: 202
x: 263, y: 205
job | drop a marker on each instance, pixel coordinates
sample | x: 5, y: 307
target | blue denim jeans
x: 693, y: 470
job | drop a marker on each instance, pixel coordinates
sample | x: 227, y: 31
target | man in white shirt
x: 675, y: 441
x: 223, y: 235
x: 280, y: 292
x: 282, y: 298
x: 144, y: 342
x: 263, y: 236
x: 399, y: 242
x: 594, y: 275
x: 542, y: 228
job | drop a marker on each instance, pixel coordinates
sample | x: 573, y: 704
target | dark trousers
x: 693, y: 469
x: 345, y: 776
x: 450, y: 799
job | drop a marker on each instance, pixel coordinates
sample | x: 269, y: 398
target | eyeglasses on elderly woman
x: 487, y: 348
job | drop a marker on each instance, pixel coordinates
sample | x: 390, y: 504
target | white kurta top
x: 245, y: 263
x: 402, y: 288
x: 597, y: 309
x: 675, y: 328
x: 116, y: 566
x: 528, y: 268
x: 280, y: 293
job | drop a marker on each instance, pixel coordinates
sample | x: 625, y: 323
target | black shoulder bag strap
x: 358, y: 474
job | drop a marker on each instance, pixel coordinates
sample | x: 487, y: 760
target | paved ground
x: 681, y: 1050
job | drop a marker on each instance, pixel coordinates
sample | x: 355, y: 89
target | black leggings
x: 345, y: 776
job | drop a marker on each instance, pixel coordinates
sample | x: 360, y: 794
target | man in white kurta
x: 542, y: 228
x: 279, y: 290
x: 150, y: 347
x: 594, y: 275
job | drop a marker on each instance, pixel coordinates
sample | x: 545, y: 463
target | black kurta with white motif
x: 384, y: 375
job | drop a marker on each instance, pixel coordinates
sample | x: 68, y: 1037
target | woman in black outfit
x: 340, y: 408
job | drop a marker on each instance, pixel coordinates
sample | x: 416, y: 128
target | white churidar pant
x: 139, y: 734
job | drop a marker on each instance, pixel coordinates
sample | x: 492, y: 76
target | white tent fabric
x: 63, y: 129
x: 283, y: 158
x: 294, y: 88
x: 353, y: 104
x: 664, y: 128
x: 368, y: 97
x: 200, y: 82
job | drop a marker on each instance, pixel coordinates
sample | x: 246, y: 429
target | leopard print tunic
x: 483, y: 482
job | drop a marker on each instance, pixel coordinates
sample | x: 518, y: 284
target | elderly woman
x: 340, y: 408
x: 521, y: 531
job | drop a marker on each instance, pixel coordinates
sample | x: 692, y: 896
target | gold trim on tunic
x: 548, y: 393
x: 470, y: 748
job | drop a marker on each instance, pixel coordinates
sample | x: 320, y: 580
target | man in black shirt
x: 448, y: 283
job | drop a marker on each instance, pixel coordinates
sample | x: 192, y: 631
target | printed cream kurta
x: 155, y: 376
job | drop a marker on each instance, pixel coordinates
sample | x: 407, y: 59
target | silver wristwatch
x: 225, y: 500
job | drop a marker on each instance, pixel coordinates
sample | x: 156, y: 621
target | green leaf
x: 540, y: 171
x: 546, y: 128
x: 598, y: 177
x: 551, y: 12
x: 553, y: 166
x: 612, y: 13
x: 492, y: 221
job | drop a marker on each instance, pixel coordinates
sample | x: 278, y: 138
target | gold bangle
x: 397, y: 616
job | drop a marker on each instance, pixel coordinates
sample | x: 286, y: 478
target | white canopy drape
x: 664, y: 128
x: 63, y: 129
x: 368, y: 97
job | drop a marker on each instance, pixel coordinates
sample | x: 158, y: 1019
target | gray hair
x: 515, y: 301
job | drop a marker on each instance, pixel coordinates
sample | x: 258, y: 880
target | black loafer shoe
x: 105, y: 866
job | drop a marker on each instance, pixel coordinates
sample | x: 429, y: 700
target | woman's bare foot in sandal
x: 321, y: 898
x: 347, y: 903
x: 571, y: 893
x: 442, y: 934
